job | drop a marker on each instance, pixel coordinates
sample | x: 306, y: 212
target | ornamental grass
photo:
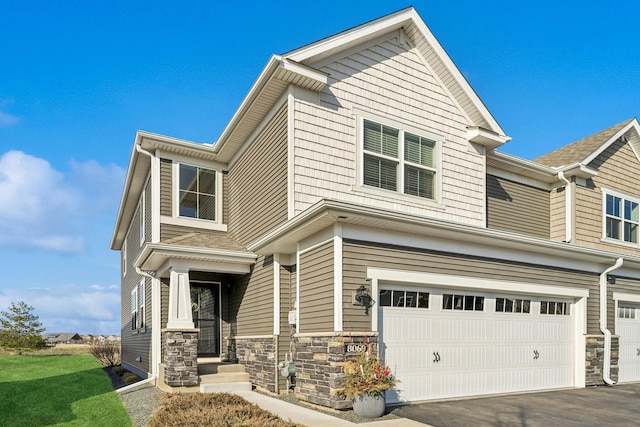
x: 366, y: 375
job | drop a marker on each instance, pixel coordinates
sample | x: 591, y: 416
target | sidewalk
x: 311, y: 418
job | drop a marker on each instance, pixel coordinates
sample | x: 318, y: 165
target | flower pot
x: 369, y: 405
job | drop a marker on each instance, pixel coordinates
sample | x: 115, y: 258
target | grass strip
x: 68, y: 390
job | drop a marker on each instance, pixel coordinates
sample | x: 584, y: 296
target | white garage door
x: 443, y: 344
x: 628, y: 328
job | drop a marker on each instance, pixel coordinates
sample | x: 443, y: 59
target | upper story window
x: 197, y: 192
x: 398, y: 160
x: 621, y: 218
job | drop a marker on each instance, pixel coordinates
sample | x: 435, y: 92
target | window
x: 141, y: 214
x: 626, y: 312
x: 554, y: 307
x: 141, y: 323
x: 398, y: 160
x: 462, y: 302
x: 134, y: 308
x: 511, y: 305
x: 621, y: 219
x: 124, y: 257
x: 197, y: 192
x: 396, y: 298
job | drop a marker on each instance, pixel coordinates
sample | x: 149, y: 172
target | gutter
x: 568, y: 214
x: 606, y: 364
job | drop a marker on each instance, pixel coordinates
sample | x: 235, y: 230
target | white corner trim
x: 276, y: 294
x: 156, y: 327
x: 155, y: 200
x: 337, y: 278
x: 450, y: 281
x: 291, y: 175
x: 621, y: 296
x: 297, y: 302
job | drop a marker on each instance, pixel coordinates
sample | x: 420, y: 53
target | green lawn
x: 58, y: 390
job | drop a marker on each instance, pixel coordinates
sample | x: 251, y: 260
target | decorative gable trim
x: 631, y: 134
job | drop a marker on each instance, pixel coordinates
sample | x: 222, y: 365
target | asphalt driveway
x: 595, y: 406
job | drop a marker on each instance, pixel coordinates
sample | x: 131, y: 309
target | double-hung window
x: 398, y: 160
x: 197, y: 192
x: 134, y: 309
x: 141, y: 321
x: 621, y: 218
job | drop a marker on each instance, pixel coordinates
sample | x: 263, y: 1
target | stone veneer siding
x: 595, y: 358
x: 320, y: 361
x: 258, y: 355
x: 181, y: 358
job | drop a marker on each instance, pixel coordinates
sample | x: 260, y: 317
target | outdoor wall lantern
x: 363, y: 298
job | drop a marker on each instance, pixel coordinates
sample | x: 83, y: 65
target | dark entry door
x: 205, y: 305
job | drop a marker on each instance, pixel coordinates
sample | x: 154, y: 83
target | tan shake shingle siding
x: 360, y: 255
x: 258, y: 183
x: 316, y: 289
x: 517, y: 207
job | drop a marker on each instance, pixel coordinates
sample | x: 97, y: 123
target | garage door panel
x: 628, y: 328
x: 443, y: 353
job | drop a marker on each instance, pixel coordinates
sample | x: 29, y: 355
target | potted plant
x: 365, y: 383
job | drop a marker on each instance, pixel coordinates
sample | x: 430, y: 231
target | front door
x: 205, y: 306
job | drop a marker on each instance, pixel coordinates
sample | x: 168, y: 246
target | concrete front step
x: 228, y: 377
x: 224, y: 387
x: 219, y: 368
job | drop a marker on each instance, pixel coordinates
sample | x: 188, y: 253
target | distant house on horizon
x: 53, y: 338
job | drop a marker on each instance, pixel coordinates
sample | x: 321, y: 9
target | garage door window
x: 626, y: 312
x: 462, y: 302
x: 407, y: 299
x: 513, y: 305
x: 554, y: 307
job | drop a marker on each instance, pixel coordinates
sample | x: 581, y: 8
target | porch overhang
x: 159, y: 258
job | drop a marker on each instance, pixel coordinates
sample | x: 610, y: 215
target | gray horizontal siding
x: 360, y: 255
x: 316, y: 289
x: 517, y: 208
x: 251, y: 302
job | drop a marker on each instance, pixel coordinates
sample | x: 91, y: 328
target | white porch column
x: 180, y: 316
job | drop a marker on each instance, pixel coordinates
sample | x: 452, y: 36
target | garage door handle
x: 536, y: 355
x: 638, y: 351
x: 436, y: 357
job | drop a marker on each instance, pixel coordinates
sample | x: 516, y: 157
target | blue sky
x: 79, y: 78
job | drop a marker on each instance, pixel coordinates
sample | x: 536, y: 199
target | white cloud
x: 71, y: 308
x: 43, y: 208
x: 7, y: 120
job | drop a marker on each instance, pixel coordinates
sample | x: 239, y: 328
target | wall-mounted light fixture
x: 363, y: 298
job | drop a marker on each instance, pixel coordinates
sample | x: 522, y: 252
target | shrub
x: 213, y: 410
x: 130, y: 378
x: 119, y: 370
x: 108, y: 354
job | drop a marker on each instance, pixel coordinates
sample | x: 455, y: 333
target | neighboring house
x: 62, y: 338
x: 366, y: 162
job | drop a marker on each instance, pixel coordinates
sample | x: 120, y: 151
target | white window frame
x: 141, y: 212
x: 124, y: 257
x: 198, y: 222
x: 141, y: 304
x: 623, y: 197
x: 402, y: 128
x: 134, y: 309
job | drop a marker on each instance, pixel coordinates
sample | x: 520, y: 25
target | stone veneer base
x: 181, y: 358
x: 258, y: 354
x: 320, y: 362
x: 594, y: 359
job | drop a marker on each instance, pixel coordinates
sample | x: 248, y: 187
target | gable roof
x: 296, y: 67
x: 586, y: 149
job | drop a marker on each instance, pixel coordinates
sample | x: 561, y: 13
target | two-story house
x: 355, y: 198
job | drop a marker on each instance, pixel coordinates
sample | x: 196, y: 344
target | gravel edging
x: 141, y: 403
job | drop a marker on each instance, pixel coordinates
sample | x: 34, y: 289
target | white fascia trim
x: 175, y: 251
x: 464, y: 282
x: 579, y: 170
x: 337, y: 278
x: 276, y: 294
x: 609, y: 141
x: 486, y: 137
x: 529, y: 168
x: 621, y: 296
x: 291, y: 174
x: 358, y: 34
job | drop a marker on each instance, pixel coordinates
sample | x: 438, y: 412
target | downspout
x: 606, y: 364
x: 568, y: 214
x: 155, y: 339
